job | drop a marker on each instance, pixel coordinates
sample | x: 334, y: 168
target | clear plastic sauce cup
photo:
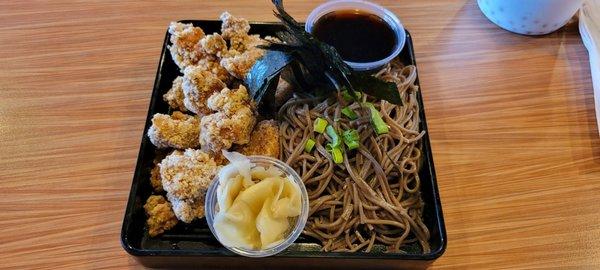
x: 364, y: 6
x: 211, y: 208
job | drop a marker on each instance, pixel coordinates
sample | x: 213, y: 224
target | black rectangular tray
x: 193, y: 245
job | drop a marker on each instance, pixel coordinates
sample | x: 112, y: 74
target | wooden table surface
x: 511, y: 121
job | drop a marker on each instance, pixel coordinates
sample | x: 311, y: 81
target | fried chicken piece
x: 264, y: 140
x: 184, y: 44
x: 232, y: 26
x: 238, y: 64
x: 160, y: 215
x: 174, y: 97
x: 214, y: 45
x: 212, y: 64
x: 232, y: 123
x: 178, y: 130
x: 198, y: 85
x: 243, y: 52
x: 188, y: 210
x: 155, y: 180
x: 186, y: 177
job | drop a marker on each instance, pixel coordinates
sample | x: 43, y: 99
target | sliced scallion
x: 335, y: 138
x: 352, y: 144
x: 336, y: 154
x: 320, y: 124
x: 348, y: 97
x: 351, y: 139
x: 310, y: 144
x: 349, y: 113
x: 380, y: 126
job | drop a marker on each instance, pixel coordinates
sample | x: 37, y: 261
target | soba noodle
x: 373, y: 197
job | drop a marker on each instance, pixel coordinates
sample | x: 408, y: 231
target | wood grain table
x: 511, y: 122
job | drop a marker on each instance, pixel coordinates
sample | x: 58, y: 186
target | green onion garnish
x: 380, y: 126
x: 310, y: 144
x: 351, y: 139
x: 320, y: 124
x: 352, y: 144
x: 336, y: 153
x: 351, y: 135
x: 335, y: 139
x: 349, y: 113
x: 348, y: 97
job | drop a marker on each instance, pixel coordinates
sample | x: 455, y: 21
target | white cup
x: 530, y: 17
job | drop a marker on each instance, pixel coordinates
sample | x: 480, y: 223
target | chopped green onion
x: 320, y: 124
x: 310, y: 144
x: 336, y: 153
x: 352, y: 144
x: 348, y: 97
x: 349, y: 113
x: 380, y: 126
x: 351, y: 139
x: 335, y: 139
x: 351, y: 135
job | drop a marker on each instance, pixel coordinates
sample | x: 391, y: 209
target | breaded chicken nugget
x: 264, y: 140
x: 178, y: 130
x: 185, y: 177
x: 214, y: 45
x: 174, y: 97
x: 198, y: 85
x: 160, y: 215
x: 238, y: 65
x: 232, y: 122
x: 184, y: 44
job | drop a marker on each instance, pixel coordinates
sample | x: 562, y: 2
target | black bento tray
x: 193, y: 245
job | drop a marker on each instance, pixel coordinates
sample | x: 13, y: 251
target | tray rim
x: 137, y: 252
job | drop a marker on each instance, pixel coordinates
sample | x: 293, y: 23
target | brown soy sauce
x: 358, y: 36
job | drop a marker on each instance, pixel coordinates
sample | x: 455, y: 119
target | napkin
x: 589, y: 28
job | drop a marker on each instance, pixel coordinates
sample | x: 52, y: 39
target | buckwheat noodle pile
x: 373, y: 197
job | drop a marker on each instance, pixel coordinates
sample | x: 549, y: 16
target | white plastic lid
x: 385, y: 14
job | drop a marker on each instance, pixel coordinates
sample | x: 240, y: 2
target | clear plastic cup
x: 383, y: 13
x: 211, y: 208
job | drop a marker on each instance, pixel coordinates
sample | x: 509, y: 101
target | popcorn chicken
x: 214, y: 45
x: 160, y: 215
x: 232, y: 123
x: 264, y: 140
x: 178, y: 130
x: 232, y: 26
x: 243, y: 52
x: 198, y: 85
x: 212, y: 64
x: 174, y: 97
x: 238, y: 65
x: 186, y: 177
x: 184, y: 44
x: 155, y: 180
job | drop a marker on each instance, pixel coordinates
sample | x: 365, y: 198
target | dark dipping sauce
x: 358, y: 36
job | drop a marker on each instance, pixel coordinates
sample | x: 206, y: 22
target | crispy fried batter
x: 178, y: 130
x: 185, y: 178
x: 212, y: 64
x: 233, y: 26
x: 243, y: 52
x: 214, y: 45
x: 238, y: 64
x: 174, y: 97
x: 198, y: 85
x: 264, y: 140
x: 160, y: 215
x: 184, y: 44
x: 155, y: 180
x: 232, y: 123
